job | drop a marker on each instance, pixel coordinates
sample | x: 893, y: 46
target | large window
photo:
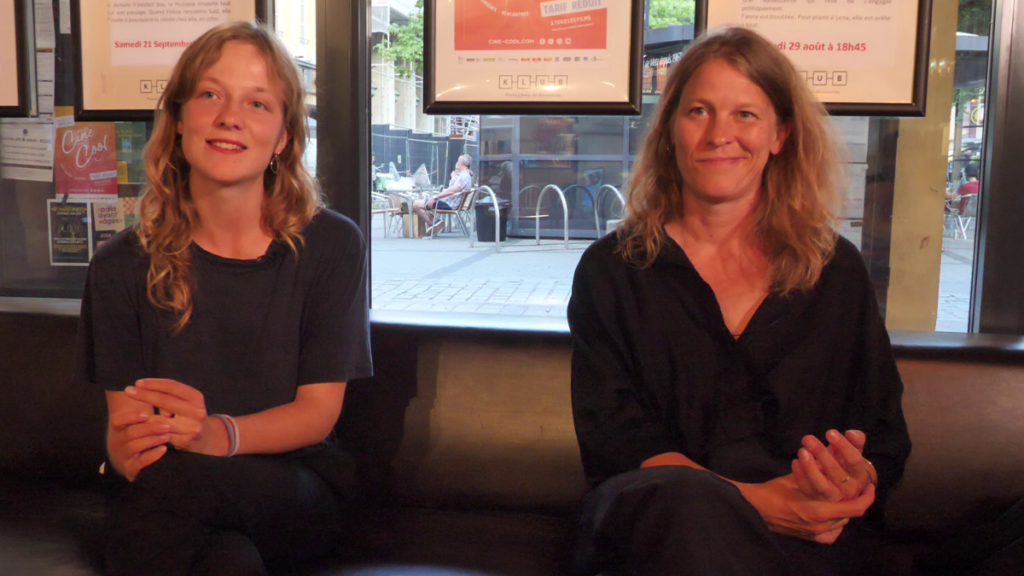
x: 913, y: 192
x: 569, y: 176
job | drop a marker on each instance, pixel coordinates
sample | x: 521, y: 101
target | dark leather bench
x: 467, y: 443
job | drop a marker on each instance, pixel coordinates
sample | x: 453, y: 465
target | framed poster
x: 559, y: 57
x: 859, y: 59
x: 126, y: 50
x: 17, y: 52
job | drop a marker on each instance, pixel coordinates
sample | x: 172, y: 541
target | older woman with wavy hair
x: 224, y: 327
x: 735, y: 397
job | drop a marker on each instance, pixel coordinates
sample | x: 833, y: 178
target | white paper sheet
x: 46, y: 35
x: 65, y: 17
x: 26, y: 150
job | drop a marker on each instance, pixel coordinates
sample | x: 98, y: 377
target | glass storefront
x: 538, y: 162
x: 589, y: 159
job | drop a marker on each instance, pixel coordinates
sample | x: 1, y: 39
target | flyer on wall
x: 870, y: 53
x: 532, y: 52
x: 85, y: 160
x: 26, y: 150
x: 107, y: 220
x: 128, y: 49
x: 70, y: 234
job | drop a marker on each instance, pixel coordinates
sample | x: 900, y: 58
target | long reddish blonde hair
x: 167, y: 215
x: 794, y: 221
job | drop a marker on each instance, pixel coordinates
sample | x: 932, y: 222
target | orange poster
x: 85, y: 161
x: 531, y: 24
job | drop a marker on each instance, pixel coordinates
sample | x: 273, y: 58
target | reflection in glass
x: 496, y: 135
x: 584, y: 185
x: 584, y: 135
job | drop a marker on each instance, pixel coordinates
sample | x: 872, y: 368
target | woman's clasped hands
x: 836, y: 473
x: 828, y: 486
x: 174, y: 413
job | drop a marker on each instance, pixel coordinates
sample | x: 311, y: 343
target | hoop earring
x: 274, y: 164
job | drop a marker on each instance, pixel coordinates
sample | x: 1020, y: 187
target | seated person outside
x: 451, y: 197
x: 967, y: 189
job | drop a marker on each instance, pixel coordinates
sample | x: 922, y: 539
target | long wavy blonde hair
x: 167, y: 214
x: 794, y: 220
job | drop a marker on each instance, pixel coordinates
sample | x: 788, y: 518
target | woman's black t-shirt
x: 259, y: 328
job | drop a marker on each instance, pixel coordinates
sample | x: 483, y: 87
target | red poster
x: 531, y: 24
x: 85, y: 161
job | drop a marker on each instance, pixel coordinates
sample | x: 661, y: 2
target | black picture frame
x: 24, y: 21
x: 629, y: 108
x: 919, y: 88
x: 263, y: 8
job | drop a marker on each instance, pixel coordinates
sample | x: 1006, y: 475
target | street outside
x: 955, y: 284
x: 444, y: 274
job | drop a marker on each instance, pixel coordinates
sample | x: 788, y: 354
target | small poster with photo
x: 70, y: 233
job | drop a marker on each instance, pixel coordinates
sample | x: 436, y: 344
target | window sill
x: 471, y: 323
x: 44, y: 306
x: 907, y: 345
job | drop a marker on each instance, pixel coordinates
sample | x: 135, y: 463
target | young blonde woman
x: 224, y: 327
x: 736, y: 400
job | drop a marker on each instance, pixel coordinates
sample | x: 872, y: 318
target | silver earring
x: 274, y: 164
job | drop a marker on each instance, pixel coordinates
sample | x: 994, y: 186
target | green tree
x: 975, y: 16
x: 664, y: 13
x: 403, y: 45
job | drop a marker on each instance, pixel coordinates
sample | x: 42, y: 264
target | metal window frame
x: 997, y: 286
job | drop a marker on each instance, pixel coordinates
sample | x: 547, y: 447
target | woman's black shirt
x: 655, y: 369
x: 259, y: 329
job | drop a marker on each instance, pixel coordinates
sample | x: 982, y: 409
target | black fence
x: 408, y: 150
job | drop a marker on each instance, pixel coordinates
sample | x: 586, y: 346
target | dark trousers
x: 675, y: 520
x: 193, y: 514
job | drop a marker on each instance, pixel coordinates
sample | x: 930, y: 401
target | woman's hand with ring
x: 788, y: 511
x: 838, y: 472
x: 183, y: 409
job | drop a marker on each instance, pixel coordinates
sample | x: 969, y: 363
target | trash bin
x: 485, y: 219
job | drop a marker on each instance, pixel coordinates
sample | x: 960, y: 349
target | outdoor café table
x: 410, y: 220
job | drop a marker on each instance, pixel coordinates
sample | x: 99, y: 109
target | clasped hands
x: 828, y: 486
x: 176, y: 414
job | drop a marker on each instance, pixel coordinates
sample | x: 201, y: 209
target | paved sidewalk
x: 446, y: 275
x: 955, y: 284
